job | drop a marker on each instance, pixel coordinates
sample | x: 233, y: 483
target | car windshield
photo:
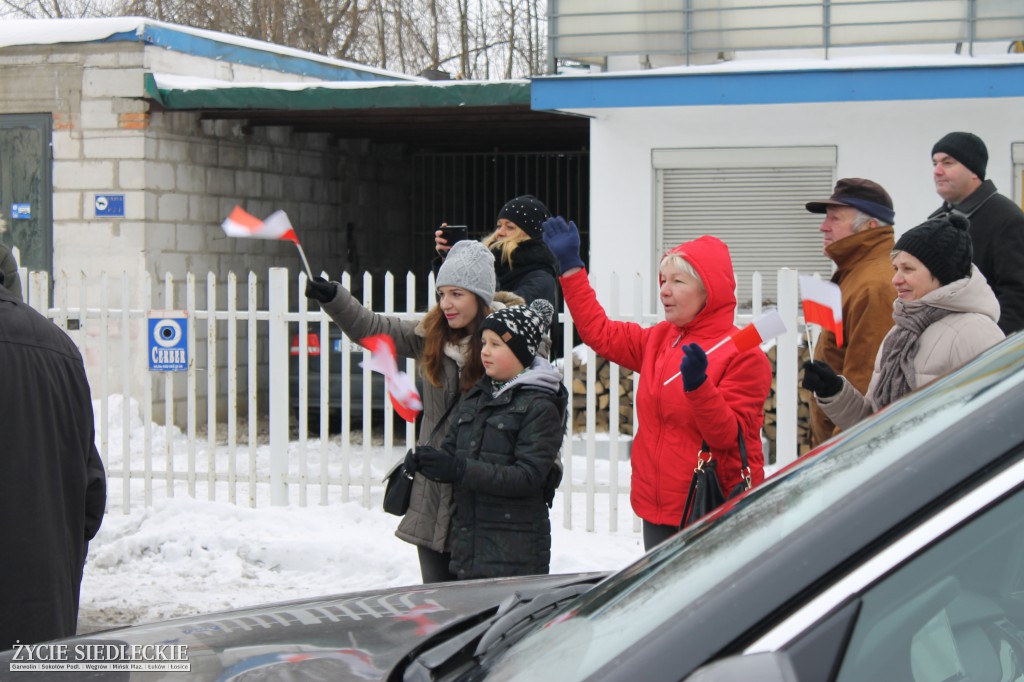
x: 635, y: 602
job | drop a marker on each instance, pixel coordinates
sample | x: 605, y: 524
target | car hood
x: 348, y: 637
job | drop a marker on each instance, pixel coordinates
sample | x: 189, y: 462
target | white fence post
x: 786, y: 369
x: 278, y: 398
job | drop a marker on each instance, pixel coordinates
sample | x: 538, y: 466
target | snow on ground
x: 185, y: 555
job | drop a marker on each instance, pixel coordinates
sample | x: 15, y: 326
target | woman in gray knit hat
x: 945, y: 314
x: 446, y: 345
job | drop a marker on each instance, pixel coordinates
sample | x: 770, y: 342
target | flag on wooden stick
x: 764, y: 328
x: 242, y: 224
x: 823, y: 305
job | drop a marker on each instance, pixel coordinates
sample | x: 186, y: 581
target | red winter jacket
x: 672, y: 423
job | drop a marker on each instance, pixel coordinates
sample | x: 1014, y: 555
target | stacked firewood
x: 603, y: 392
x: 803, y: 409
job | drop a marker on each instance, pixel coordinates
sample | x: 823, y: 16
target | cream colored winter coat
x: 948, y: 344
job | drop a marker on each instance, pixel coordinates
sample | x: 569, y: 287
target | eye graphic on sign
x: 167, y: 333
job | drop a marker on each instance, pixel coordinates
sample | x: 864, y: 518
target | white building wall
x: 889, y: 142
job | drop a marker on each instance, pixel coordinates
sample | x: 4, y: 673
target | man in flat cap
x: 959, y: 162
x: 858, y: 235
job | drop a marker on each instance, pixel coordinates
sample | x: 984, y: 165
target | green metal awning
x: 338, y: 96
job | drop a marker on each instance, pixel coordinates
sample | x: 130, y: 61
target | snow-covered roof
x: 785, y: 81
x: 193, y: 41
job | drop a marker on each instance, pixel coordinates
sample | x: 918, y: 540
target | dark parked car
x: 352, y: 398
x: 893, y: 552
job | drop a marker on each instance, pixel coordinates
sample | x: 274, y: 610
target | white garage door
x: 753, y: 200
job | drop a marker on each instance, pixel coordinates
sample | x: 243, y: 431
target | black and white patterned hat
x: 522, y: 327
x: 528, y: 212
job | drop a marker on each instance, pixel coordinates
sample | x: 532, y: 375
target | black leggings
x: 655, y: 534
x: 434, y: 566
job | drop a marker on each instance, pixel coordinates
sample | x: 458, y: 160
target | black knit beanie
x: 967, y: 148
x: 521, y: 327
x: 943, y: 245
x: 528, y: 212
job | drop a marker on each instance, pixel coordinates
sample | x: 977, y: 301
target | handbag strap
x: 444, y: 418
x: 745, y: 468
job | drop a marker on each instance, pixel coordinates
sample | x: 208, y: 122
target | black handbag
x: 705, y: 492
x: 398, y: 489
x: 398, y: 480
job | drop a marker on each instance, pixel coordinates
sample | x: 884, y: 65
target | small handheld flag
x: 823, y: 305
x: 276, y: 226
x: 401, y: 389
x: 766, y: 327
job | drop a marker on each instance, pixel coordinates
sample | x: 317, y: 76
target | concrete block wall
x: 180, y: 176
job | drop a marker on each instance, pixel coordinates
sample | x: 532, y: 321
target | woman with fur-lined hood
x: 446, y: 346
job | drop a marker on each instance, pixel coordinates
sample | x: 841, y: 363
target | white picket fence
x: 248, y: 454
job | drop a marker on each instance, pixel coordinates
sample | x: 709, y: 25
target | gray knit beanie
x: 469, y: 265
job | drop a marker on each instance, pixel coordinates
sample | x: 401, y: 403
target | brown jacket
x: 864, y: 275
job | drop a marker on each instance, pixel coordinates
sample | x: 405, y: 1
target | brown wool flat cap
x: 864, y: 195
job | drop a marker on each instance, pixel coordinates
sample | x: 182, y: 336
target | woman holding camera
x: 523, y: 263
x: 446, y: 346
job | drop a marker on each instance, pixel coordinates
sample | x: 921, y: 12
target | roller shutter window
x: 752, y: 199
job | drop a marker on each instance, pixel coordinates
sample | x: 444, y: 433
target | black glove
x: 693, y: 367
x: 821, y: 380
x: 564, y: 241
x: 319, y: 289
x: 438, y: 465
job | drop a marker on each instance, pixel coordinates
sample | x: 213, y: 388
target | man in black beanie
x: 960, y: 161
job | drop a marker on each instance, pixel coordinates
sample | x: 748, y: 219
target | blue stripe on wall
x: 779, y: 87
x: 199, y: 46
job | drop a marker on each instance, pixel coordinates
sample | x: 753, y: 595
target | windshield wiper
x: 513, y: 615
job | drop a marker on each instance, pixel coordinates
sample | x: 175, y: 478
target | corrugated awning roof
x: 454, y: 115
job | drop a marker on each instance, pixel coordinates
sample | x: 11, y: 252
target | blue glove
x: 564, y: 241
x: 438, y: 465
x: 694, y: 367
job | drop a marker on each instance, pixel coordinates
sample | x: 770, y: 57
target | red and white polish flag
x: 764, y: 328
x: 401, y: 388
x: 243, y: 224
x: 823, y: 305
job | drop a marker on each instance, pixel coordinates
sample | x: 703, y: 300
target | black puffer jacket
x: 533, y: 273
x: 500, y: 523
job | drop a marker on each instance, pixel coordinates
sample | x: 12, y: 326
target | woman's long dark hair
x: 438, y: 333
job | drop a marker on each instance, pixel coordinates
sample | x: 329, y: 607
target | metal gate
x: 26, y: 188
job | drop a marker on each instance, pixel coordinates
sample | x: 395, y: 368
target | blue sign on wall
x: 21, y: 211
x: 109, y: 205
x: 168, y: 341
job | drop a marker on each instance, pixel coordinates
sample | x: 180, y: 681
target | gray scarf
x: 896, y: 371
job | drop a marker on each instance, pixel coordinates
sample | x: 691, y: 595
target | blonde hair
x: 677, y: 262
x: 507, y: 245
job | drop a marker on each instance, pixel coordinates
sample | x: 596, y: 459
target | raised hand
x: 564, y: 241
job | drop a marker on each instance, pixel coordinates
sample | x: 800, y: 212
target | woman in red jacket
x: 718, y: 396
